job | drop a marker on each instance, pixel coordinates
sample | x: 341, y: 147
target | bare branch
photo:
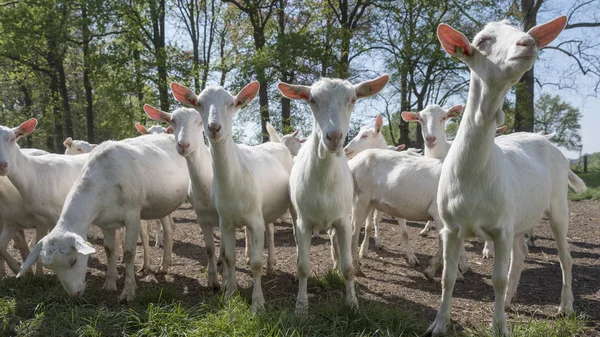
x: 583, y: 24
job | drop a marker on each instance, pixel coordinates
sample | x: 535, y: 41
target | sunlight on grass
x: 39, y: 307
x: 567, y: 326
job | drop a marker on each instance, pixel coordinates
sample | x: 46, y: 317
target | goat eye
x: 73, y: 263
x: 482, y: 40
x: 312, y: 101
x: 363, y: 136
x: 353, y: 101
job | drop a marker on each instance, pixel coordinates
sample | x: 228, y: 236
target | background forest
x: 84, y: 68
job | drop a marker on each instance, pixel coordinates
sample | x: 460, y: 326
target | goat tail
x: 576, y: 183
x: 273, y: 137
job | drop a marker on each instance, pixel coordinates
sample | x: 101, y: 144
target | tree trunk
x: 139, y: 85
x: 28, y: 112
x: 87, y: 84
x: 158, y: 40
x: 404, y: 106
x: 261, y: 76
x: 64, y: 93
x: 524, y: 100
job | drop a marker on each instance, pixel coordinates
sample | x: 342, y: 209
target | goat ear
x: 82, y: 246
x: 156, y: 114
x: 31, y: 258
x: 400, y: 147
x: 247, y: 94
x: 141, y: 129
x: 454, y: 111
x: 295, y: 134
x: 303, y: 140
x: 371, y: 87
x: 454, y: 42
x: 184, y: 94
x: 547, y: 32
x: 93, y: 145
x: 410, y: 116
x: 292, y: 91
x: 170, y: 130
x: 25, y: 128
x: 68, y: 142
x: 378, y: 123
x: 501, y: 129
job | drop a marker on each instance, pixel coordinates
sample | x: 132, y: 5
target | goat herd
x: 493, y: 188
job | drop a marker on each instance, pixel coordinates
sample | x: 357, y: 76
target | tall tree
x: 351, y: 17
x: 583, y: 53
x: 259, y: 13
x: 552, y: 115
x: 148, y: 17
x: 200, y: 19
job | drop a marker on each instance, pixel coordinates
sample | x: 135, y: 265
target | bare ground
x: 389, y: 279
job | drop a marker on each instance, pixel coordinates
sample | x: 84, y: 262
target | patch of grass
x: 40, y: 307
x: 565, y: 326
x: 331, y: 280
x: 592, y: 180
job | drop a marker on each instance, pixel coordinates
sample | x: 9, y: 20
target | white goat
x: 73, y: 147
x: 250, y: 184
x: 42, y: 181
x: 13, y: 219
x: 320, y: 183
x: 372, y: 138
x: 189, y: 140
x: 122, y: 182
x: 497, y: 189
x: 154, y: 129
x: 433, y: 128
x: 291, y: 141
x: 167, y: 225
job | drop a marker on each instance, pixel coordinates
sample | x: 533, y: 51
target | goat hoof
x: 424, y: 233
x: 413, y: 261
x: 430, y: 275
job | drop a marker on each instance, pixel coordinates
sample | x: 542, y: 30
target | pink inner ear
x: 294, y: 91
x: 170, y: 130
x: 27, y: 127
x: 247, y: 94
x: 296, y: 133
x: 455, y: 111
x: 141, y: 129
x: 182, y: 94
x: 409, y: 116
x: 400, y: 147
x: 378, y: 123
x: 452, y: 39
x: 156, y: 114
x: 547, y: 32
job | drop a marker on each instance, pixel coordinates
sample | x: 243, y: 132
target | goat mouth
x: 524, y: 56
x: 349, y: 154
x: 430, y: 145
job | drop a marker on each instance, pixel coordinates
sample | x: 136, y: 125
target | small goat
x: 320, y: 182
x: 77, y: 146
x: 497, y: 189
x: 372, y: 138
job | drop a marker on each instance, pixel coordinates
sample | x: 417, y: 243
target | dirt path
x: 389, y: 279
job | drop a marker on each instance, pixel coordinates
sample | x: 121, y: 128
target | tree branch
x: 583, y: 24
